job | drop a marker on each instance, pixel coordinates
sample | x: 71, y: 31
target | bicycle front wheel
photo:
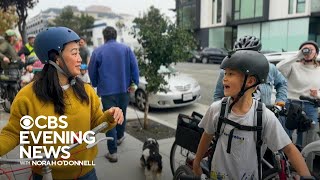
x: 179, y: 156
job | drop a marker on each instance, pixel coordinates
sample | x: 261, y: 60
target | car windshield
x: 167, y: 70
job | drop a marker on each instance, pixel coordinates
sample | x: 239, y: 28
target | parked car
x: 182, y: 90
x: 195, y: 56
x: 279, y: 56
x: 216, y: 55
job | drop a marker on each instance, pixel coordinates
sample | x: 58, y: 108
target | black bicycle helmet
x: 312, y: 43
x: 249, y: 62
x: 53, y: 38
x: 247, y: 43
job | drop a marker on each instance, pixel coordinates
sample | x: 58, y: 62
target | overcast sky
x: 132, y: 7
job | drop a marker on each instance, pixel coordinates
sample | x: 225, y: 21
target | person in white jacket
x: 302, y: 72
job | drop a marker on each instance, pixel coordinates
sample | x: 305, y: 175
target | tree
x: 8, y: 20
x: 162, y: 43
x: 80, y: 24
x: 22, y: 7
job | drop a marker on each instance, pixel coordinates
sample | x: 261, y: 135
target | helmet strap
x: 64, y: 70
x: 242, y: 91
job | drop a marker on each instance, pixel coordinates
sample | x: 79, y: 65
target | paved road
x: 205, y: 74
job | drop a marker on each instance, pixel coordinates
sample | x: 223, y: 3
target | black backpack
x: 258, y: 128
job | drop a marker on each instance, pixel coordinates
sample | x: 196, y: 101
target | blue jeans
x: 310, y: 110
x: 91, y: 175
x: 121, y: 101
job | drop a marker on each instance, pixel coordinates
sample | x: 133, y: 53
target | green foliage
x: 8, y: 20
x: 79, y: 24
x: 162, y: 43
x: 22, y: 7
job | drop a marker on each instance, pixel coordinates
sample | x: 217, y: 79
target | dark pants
x: 91, y: 175
x: 121, y: 101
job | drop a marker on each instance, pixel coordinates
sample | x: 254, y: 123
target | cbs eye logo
x: 26, y: 122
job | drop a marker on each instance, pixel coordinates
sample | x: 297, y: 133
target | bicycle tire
x: 176, y: 162
x: 182, y: 170
x: 9, y: 96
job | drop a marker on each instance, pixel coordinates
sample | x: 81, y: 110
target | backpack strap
x: 259, y: 138
x: 221, y: 117
x: 217, y: 133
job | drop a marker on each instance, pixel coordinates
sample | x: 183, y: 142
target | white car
x: 181, y: 90
x: 279, y: 56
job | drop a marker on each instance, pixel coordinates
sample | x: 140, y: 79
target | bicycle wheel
x: 10, y: 94
x: 182, y: 170
x: 178, y: 156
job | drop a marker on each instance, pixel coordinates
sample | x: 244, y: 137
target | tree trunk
x: 146, y: 111
x: 23, y: 14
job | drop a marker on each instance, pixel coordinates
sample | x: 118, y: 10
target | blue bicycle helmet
x: 83, y: 67
x: 53, y: 38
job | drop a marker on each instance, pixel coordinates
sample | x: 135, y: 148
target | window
x: 301, y: 6
x: 246, y: 9
x: 187, y: 15
x: 213, y: 12
x: 216, y: 11
x: 219, y: 10
x: 290, y: 9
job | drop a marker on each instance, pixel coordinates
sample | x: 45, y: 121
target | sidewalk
x: 127, y: 167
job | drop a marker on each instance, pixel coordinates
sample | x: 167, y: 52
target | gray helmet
x: 249, y: 62
x: 247, y: 43
x: 312, y: 43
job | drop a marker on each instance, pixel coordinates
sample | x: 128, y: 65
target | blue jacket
x: 112, y: 68
x: 275, y: 79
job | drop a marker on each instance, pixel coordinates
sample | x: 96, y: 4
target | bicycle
x: 10, y: 84
x: 47, y: 175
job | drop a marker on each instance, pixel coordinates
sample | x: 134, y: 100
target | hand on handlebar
x: 6, y: 60
x: 197, y: 169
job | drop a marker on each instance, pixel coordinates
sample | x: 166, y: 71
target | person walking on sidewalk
x: 112, y: 68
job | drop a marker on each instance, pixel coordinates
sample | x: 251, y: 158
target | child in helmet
x: 236, y: 156
x: 84, y: 74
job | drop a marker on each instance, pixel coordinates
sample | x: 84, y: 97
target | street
x: 205, y: 74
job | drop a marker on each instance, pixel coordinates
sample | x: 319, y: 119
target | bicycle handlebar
x: 313, y: 100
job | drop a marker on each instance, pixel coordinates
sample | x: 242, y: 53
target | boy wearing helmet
x: 234, y: 153
x: 57, y: 91
x: 84, y: 75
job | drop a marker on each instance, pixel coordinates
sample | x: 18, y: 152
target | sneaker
x: 119, y: 141
x: 112, y: 157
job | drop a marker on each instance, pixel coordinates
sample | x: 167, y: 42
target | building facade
x: 281, y: 25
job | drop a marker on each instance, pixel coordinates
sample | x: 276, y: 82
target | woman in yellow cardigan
x: 64, y: 103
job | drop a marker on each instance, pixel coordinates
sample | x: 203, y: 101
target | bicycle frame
x: 46, y: 170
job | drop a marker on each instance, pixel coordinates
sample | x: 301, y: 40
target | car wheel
x: 194, y: 60
x: 140, y: 99
x: 204, y: 60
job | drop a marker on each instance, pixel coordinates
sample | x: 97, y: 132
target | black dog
x: 151, y: 160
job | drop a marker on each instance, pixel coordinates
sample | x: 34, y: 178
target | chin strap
x: 241, y: 93
x: 65, y: 72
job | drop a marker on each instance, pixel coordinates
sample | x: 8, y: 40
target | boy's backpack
x: 258, y: 128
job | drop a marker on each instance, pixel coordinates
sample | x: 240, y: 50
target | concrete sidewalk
x: 127, y: 167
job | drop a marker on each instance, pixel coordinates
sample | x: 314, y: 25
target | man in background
x: 84, y: 51
x: 113, y: 68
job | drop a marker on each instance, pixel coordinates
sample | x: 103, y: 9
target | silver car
x: 181, y: 90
